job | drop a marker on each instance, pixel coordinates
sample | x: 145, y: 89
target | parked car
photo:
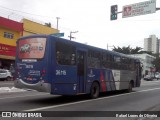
x: 5, y: 75
x: 149, y: 77
x: 157, y: 75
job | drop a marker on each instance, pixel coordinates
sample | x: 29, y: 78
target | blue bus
x: 63, y: 67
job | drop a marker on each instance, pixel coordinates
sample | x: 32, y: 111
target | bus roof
x: 93, y: 47
x: 78, y: 44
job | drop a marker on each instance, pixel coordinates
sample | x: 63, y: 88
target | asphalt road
x: 145, y: 98
x: 6, y: 84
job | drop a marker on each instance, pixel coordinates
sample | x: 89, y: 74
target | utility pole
x: 71, y: 34
x: 109, y: 46
x: 57, y: 21
x: 10, y: 15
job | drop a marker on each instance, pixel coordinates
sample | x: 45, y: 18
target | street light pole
x: 109, y: 46
x: 57, y: 21
x: 10, y: 15
x: 71, y: 34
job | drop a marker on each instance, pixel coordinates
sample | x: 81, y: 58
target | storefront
x: 10, y: 31
x: 7, y: 56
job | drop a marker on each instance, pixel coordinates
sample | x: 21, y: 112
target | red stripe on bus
x: 103, y: 83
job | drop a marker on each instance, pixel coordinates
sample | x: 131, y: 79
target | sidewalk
x: 8, y: 89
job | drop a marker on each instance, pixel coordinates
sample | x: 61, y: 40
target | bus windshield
x: 32, y: 48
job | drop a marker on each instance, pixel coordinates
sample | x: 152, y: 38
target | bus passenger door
x: 81, y: 70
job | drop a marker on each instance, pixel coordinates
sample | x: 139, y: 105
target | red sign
x: 127, y: 11
x: 7, y: 50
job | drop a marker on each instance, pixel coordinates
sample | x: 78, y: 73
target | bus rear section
x: 31, y: 65
x: 63, y: 67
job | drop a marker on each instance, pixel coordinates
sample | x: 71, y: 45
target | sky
x: 91, y: 18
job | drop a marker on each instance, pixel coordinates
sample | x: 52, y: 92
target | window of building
x: 8, y: 35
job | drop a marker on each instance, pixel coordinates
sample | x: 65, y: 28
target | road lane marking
x: 67, y: 104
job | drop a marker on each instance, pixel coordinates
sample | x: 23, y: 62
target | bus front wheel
x: 94, y: 92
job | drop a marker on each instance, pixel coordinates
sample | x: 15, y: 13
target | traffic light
x: 114, y: 10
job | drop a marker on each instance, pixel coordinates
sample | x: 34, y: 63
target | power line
x: 18, y: 15
x: 24, y: 12
x: 22, y: 16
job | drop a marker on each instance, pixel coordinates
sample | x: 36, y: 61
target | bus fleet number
x: 61, y: 72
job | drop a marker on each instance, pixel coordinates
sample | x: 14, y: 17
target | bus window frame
x: 61, y: 55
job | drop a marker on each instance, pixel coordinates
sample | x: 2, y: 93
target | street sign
x: 58, y: 34
x: 141, y: 8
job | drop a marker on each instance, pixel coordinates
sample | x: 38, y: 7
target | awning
x: 7, y: 57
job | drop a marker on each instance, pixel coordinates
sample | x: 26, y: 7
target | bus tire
x: 94, y: 91
x: 130, y: 87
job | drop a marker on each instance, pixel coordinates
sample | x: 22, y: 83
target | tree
x: 128, y: 50
x: 48, y: 24
x: 156, y: 63
x: 137, y: 50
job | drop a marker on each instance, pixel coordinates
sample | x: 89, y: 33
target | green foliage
x: 156, y: 62
x: 48, y: 24
x: 128, y: 50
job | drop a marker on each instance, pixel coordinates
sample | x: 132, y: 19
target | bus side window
x: 117, y: 62
x: 65, y: 54
x: 94, y: 59
x: 73, y: 59
x: 103, y: 60
x: 58, y: 57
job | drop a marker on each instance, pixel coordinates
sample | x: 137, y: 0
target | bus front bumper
x: 40, y: 86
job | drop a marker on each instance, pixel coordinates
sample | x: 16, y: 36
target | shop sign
x: 7, y: 50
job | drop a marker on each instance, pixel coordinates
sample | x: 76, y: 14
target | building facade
x: 146, y: 61
x: 10, y: 31
x: 31, y: 27
x: 151, y: 44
